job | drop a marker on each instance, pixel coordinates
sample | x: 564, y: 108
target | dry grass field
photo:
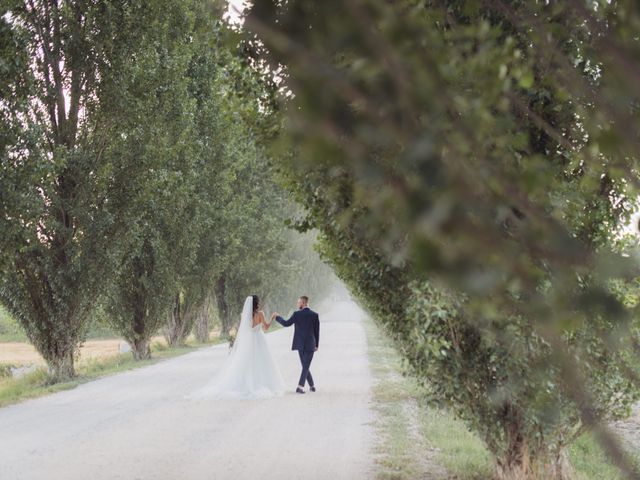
x: 21, y: 354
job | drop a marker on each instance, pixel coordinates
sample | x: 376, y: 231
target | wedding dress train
x: 249, y: 371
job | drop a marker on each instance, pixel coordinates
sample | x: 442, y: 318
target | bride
x: 249, y: 371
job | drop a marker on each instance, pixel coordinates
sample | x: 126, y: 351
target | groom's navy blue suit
x: 306, y: 338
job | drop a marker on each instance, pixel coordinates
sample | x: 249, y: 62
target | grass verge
x: 34, y: 384
x: 590, y: 462
x: 419, y: 441
x: 415, y: 440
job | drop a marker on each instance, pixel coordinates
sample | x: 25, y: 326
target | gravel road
x: 139, y: 425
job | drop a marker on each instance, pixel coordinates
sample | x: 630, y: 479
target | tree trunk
x: 180, y: 323
x: 187, y: 321
x: 140, y: 340
x: 173, y: 329
x: 203, y: 322
x: 62, y: 369
x: 551, y: 467
x: 520, y: 462
x: 558, y: 467
x: 141, y: 349
x: 223, y: 307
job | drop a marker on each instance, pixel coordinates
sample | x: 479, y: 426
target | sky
x: 632, y: 226
x: 234, y: 7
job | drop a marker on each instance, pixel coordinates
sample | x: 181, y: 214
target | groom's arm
x: 316, y: 330
x: 286, y: 323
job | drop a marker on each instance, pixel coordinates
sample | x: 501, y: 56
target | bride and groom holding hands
x: 250, y: 371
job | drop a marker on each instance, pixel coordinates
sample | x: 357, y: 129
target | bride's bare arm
x: 265, y: 325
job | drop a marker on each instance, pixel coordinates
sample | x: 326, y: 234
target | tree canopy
x: 134, y: 177
x: 469, y: 166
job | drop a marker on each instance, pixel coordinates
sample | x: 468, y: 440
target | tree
x: 465, y: 164
x: 252, y: 248
x: 184, y: 137
x: 209, y: 218
x: 69, y: 185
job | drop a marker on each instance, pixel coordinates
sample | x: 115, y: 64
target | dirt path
x: 629, y: 430
x: 138, y: 425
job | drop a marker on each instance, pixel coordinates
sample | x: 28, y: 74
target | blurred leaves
x: 477, y: 158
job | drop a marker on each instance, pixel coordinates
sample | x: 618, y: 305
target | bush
x: 5, y: 370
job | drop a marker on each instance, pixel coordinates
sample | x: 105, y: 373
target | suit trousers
x: 305, y: 360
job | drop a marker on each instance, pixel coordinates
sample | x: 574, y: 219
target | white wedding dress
x: 249, y: 371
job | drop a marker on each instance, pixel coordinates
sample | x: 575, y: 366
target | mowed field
x: 20, y: 354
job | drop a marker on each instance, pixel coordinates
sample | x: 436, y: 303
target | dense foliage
x: 467, y: 164
x: 133, y: 181
x: 64, y: 180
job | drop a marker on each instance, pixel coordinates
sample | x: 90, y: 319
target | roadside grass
x: 459, y: 451
x: 590, y: 462
x: 35, y: 384
x: 416, y: 440
x: 398, y: 452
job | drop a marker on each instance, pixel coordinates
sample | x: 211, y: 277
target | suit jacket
x: 306, y: 335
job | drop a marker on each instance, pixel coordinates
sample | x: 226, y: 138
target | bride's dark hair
x: 256, y: 303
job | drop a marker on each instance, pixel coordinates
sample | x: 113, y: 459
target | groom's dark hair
x: 304, y: 298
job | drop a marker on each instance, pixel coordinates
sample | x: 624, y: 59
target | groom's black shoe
x: 299, y: 390
x: 313, y: 389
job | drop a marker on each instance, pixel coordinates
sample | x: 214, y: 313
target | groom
x: 306, y: 337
